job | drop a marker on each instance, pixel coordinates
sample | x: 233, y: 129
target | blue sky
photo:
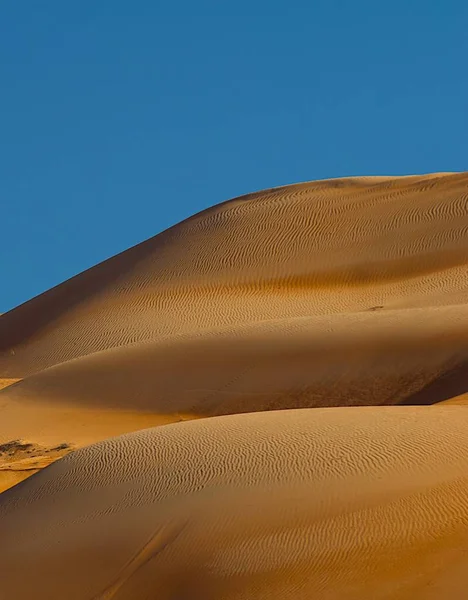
x: 119, y: 119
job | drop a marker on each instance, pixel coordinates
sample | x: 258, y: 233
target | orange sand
x: 343, y: 293
x: 343, y: 503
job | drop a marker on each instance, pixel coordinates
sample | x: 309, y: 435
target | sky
x: 119, y: 119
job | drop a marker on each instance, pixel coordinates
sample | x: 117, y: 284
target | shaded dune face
x: 356, y: 503
x: 328, y: 360
x: 329, y: 247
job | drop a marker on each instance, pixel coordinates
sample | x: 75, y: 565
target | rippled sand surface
x: 348, y: 293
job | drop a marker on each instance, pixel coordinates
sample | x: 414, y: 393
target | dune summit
x: 344, y: 301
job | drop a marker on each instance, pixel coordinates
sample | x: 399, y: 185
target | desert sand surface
x: 329, y: 293
x: 414, y: 356
x: 356, y: 503
x: 20, y: 459
x: 347, y: 293
x: 47, y: 426
x: 329, y: 247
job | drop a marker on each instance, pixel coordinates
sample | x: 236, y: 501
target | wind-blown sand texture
x: 322, y: 248
x: 342, y: 293
x: 356, y: 503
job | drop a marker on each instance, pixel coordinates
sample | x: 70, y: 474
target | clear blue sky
x: 119, y: 119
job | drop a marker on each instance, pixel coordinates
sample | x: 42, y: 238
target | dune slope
x: 356, y: 503
x: 404, y: 356
x: 348, y: 293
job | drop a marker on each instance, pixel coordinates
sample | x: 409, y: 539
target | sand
x: 321, y: 248
x: 356, y: 503
x: 414, y: 356
x: 348, y: 293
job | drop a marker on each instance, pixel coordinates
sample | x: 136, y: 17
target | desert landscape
x: 267, y: 400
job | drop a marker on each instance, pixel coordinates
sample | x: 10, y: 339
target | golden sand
x: 348, y: 293
x: 357, y: 503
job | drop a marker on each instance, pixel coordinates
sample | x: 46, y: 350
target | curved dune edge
x: 412, y: 356
x: 390, y: 357
x: 357, y: 503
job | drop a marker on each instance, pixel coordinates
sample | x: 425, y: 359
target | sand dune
x: 327, y: 247
x: 348, y: 293
x: 355, y: 503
